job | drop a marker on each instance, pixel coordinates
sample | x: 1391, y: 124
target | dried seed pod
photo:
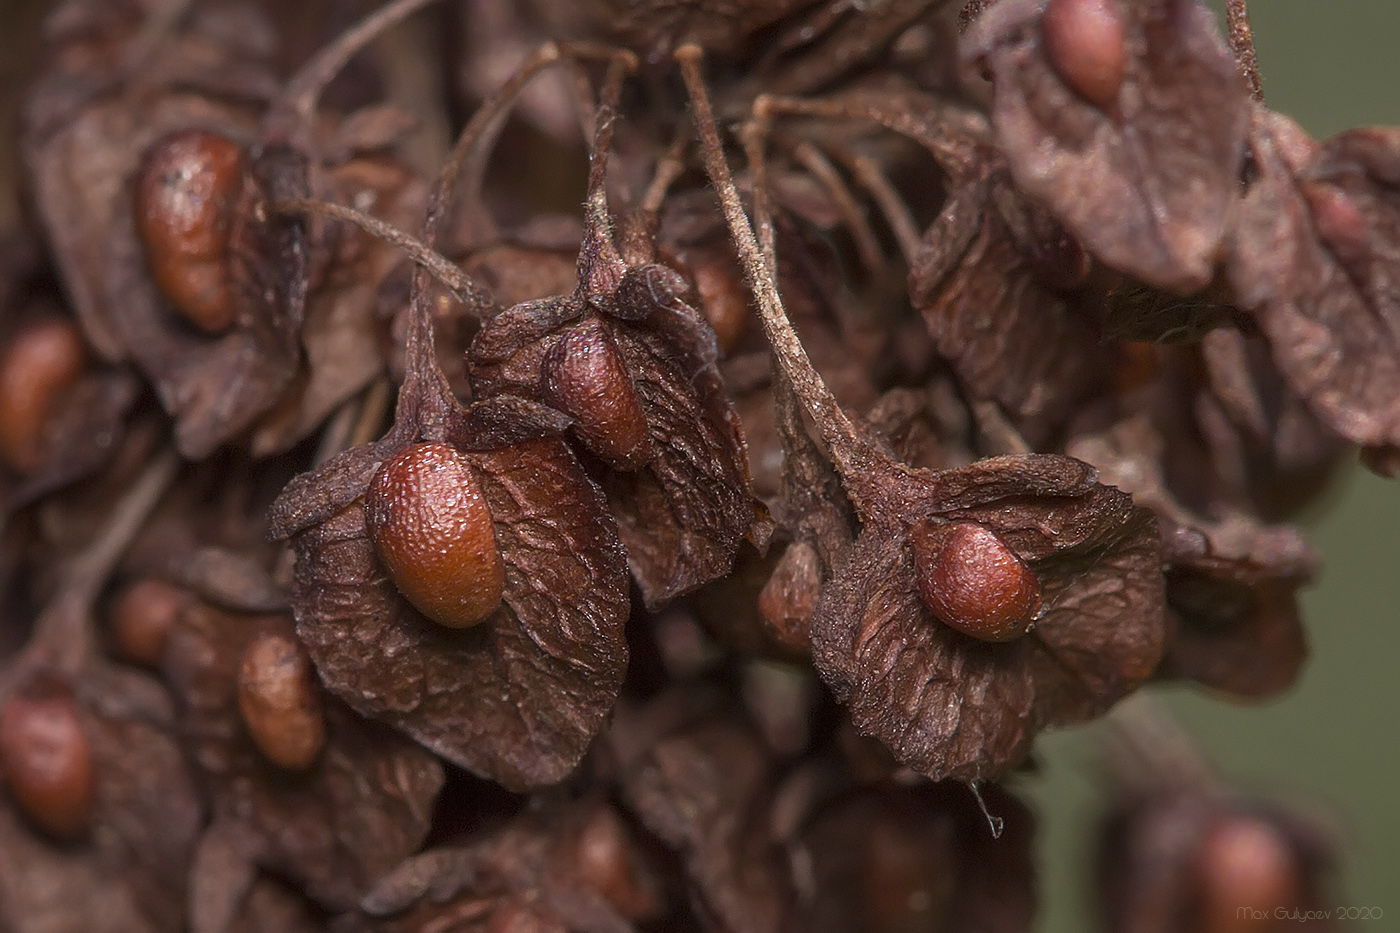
x: 972, y: 581
x: 1246, y: 868
x: 141, y: 618
x: 185, y: 195
x: 1087, y: 42
x: 787, y: 600
x: 41, y: 361
x: 584, y: 376
x: 46, y: 761
x: 279, y: 702
x: 432, y: 529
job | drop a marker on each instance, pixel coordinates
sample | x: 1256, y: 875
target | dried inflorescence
x: 388, y: 545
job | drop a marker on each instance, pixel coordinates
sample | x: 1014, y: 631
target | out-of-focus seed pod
x: 141, y: 617
x: 46, y: 761
x: 1246, y: 870
x: 605, y: 863
x: 41, y: 361
x: 279, y: 701
x: 971, y: 581
x: 186, y: 193
x: 432, y: 529
x: 723, y: 299
x: 585, y: 378
x: 1087, y: 43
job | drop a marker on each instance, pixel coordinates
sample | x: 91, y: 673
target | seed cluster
x: 387, y: 544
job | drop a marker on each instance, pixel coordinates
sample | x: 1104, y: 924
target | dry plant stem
x: 303, y: 90
x: 816, y: 162
x: 948, y: 133
x: 63, y: 638
x: 599, y: 254
x: 668, y: 168
x: 861, y: 465
x: 1151, y: 747
x: 1242, y: 44
x: 906, y: 232
x: 442, y: 270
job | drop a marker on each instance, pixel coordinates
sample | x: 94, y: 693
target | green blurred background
x: 1335, y: 738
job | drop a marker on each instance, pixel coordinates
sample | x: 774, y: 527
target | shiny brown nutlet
x: 1087, y: 42
x: 972, y: 582
x: 186, y: 193
x: 41, y: 362
x: 585, y: 378
x: 46, y: 761
x: 141, y: 618
x: 433, y: 531
x: 279, y: 702
x: 723, y: 299
x: 1246, y: 870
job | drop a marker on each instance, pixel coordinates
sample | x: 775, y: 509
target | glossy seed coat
x: 46, y: 762
x: 972, y: 582
x: 1087, y: 42
x: 432, y: 529
x: 279, y: 701
x: 186, y: 193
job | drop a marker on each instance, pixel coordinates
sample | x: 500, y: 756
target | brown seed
x: 279, y: 701
x: 433, y: 531
x: 585, y: 378
x: 972, y: 581
x: 185, y: 198
x: 723, y: 299
x: 1087, y: 44
x: 46, y: 761
x: 605, y: 863
x: 141, y: 619
x: 788, y: 599
x: 41, y: 362
x: 1246, y: 871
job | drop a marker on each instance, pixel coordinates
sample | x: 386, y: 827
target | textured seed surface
x: 972, y: 581
x: 432, y: 529
x: 40, y: 362
x: 47, y: 763
x: 585, y: 378
x: 1087, y: 43
x: 185, y: 197
x: 278, y: 700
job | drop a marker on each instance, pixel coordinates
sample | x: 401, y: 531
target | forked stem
x: 438, y: 265
x: 862, y: 467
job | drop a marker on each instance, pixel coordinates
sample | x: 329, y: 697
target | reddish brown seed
x: 972, y: 581
x: 279, y: 700
x: 46, y: 761
x: 787, y: 600
x: 723, y: 299
x: 432, y: 529
x: 585, y: 378
x: 1246, y: 870
x: 41, y: 362
x: 1087, y: 44
x: 605, y: 863
x: 141, y: 619
x: 185, y: 197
